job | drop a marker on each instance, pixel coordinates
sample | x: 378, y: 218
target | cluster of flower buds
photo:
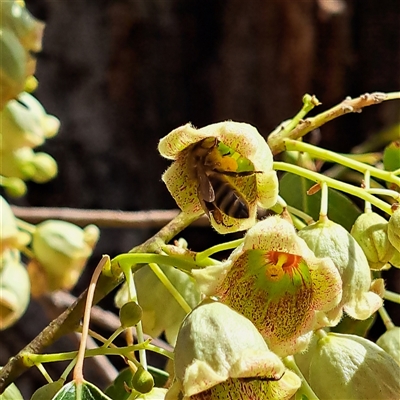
x: 25, y: 123
x: 58, y: 251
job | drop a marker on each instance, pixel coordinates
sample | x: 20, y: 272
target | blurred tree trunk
x: 121, y: 74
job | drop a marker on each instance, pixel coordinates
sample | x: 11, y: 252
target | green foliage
x: 341, y: 209
x: 80, y: 391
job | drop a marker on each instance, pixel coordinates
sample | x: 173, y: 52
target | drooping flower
x: 390, y: 342
x: 276, y: 281
x: 342, y: 366
x: 371, y: 232
x: 14, y: 288
x: 361, y: 297
x: 219, y: 354
x: 223, y: 169
x: 61, y: 250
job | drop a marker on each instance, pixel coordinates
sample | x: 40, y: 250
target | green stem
x: 333, y: 183
x: 392, y: 296
x: 386, y: 318
x: 301, y: 214
x: 384, y: 192
x: 323, y: 213
x: 170, y: 287
x: 309, y: 102
x: 218, y: 248
x: 43, y: 371
x: 31, y: 359
x: 305, y: 388
x: 327, y: 155
x: 113, y: 336
x: 128, y: 260
x: 367, y: 185
x: 25, y: 226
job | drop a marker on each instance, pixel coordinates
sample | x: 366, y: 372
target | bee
x: 211, y: 163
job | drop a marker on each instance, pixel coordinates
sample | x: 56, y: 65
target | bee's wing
x: 206, y: 191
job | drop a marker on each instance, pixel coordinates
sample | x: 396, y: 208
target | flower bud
x: 130, y: 314
x: 394, y: 229
x: 10, y: 236
x: 216, y: 348
x: 25, y: 123
x: 142, y: 381
x: 12, y: 68
x: 61, y: 250
x: 18, y: 163
x: 48, y: 391
x: 14, y: 187
x: 329, y: 239
x: 45, y: 168
x: 371, y: 232
x: 390, y: 342
x: 351, y: 367
x: 14, y: 289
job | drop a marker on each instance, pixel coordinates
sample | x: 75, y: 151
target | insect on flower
x: 214, y: 166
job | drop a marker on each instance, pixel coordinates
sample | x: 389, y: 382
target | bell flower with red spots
x: 223, y: 169
x: 276, y: 281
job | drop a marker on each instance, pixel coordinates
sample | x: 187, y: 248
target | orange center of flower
x: 281, y: 263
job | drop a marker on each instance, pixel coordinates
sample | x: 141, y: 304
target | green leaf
x: 48, y: 391
x: 117, y: 389
x: 391, y: 156
x: 80, y: 391
x: 11, y: 393
x: 341, y: 210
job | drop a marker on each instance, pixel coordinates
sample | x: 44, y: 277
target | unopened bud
x: 371, y: 232
x: 130, y: 314
x: 46, y: 168
x: 142, y: 381
x: 394, y: 229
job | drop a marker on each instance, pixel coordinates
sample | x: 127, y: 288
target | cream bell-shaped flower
x: 371, y: 232
x: 361, y: 297
x: 342, y: 366
x: 61, y: 250
x: 278, y: 283
x: 223, y: 169
x: 219, y: 354
x: 14, y: 288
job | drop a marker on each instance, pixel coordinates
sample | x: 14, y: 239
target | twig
x: 102, y: 218
x: 348, y: 105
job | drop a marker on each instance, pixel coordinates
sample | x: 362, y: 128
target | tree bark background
x: 121, y: 74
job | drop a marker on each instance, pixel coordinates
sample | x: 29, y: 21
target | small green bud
x: 130, y: 314
x: 142, y: 381
x: 46, y: 168
x: 394, y: 229
x: 390, y: 342
x: 14, y: 187
x: 371, y: 232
